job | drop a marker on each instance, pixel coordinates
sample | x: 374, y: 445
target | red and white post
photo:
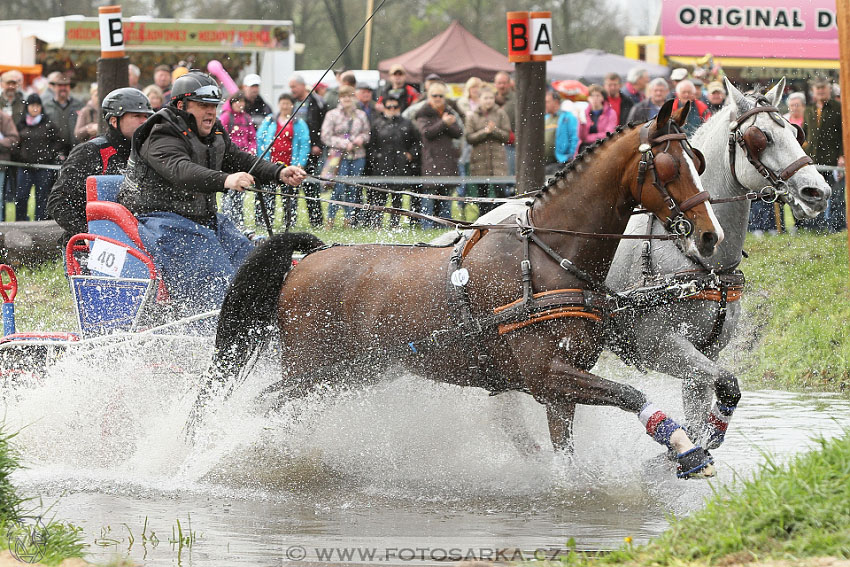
x: 530, y: 46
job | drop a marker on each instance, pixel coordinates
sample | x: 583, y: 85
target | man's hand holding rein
x: 293, y: 175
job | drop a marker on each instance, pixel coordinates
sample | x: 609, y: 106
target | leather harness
x: 738, y: 138
x: 594, y: 303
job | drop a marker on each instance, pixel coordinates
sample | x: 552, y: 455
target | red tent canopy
x: 455, y: 55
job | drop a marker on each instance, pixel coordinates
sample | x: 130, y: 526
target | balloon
x: 217, y: 70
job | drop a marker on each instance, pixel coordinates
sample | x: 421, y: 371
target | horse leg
x: 564, y: 385
x: 675, y: 355
x: 513, y: 423
x: 560, y: 415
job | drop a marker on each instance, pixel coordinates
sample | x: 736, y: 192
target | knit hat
x: 33, y: 99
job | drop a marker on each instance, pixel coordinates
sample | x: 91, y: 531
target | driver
x: 181, y: 157
x: 124, y: 110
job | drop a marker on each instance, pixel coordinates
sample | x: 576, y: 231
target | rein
x: 466, y: 225
x: 301, y: 103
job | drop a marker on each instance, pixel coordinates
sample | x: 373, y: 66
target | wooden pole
x: 843, y: 21
x: 367, y: 38
x: 530, y: 108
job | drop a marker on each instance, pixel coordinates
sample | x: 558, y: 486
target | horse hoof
x: 695, y: 463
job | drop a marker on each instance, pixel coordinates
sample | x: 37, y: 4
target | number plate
x: 107, y: 258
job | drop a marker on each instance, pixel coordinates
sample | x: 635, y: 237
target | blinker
x: 666, y: 167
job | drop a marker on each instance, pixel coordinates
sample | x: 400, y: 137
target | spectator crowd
x: 398, y: 130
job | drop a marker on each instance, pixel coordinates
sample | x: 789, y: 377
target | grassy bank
x: 56, y: 541
x: 798, y: 308
x: 785, y: 512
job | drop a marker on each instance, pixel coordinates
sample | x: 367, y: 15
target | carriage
x: 116, y: 289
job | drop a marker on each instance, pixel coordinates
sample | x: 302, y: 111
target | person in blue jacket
x: 560, y: 134
x: 291, y: 147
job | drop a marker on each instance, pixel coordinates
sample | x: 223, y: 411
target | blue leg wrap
x: 664, y: 430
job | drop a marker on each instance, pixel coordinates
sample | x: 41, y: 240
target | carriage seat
x: 115, y: 300
x: 107, y: 218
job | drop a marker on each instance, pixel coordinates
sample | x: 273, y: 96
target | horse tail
x: 245, y: 320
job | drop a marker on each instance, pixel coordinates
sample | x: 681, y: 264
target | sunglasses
x: 437, y: 96
x: 391, y: 106
x: 399, y: 73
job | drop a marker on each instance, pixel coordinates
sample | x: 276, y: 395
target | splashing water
x: 107, y: 426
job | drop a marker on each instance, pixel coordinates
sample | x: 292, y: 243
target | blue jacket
x: 300, y: 139
x: 566, y: 137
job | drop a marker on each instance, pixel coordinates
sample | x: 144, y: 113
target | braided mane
x: 582, y: 157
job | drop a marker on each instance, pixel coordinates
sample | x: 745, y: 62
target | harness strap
x: 720, y: 320
x: 694, y: 200
x: 736, y: 137
x: 786, y: 173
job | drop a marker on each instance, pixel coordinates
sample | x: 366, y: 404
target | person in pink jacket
x: 599, y: 118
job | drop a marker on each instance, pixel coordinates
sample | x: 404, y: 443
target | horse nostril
x: 709, y: 240
x: 812, y: 193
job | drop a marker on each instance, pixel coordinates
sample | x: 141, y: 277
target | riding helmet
x: 121, y: 101
x: 197, y: 86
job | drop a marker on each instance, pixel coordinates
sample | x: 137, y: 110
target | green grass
x: 798, y: 302
x: 61, y: 540
x: 783, y: 512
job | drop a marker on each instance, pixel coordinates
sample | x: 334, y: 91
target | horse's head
x: 668, y: 182
x: 767, y: 153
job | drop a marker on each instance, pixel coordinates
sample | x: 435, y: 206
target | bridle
x: 665, y: 168
x: 754, y: 140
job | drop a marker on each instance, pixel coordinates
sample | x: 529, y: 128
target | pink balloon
x: 217, y: 70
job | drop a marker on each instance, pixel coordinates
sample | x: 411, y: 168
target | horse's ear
x: 774, y: 95
x: 664, y: 114
x: 737, y: 97
x: 681, y: 115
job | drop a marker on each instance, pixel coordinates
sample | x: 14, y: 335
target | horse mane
x: 583, y: 156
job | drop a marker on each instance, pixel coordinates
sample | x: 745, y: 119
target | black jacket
x: 391, y: 138
x: 103, y: 155
x: 626, y: 104
x: 313, y: 113
x: 171, y: 169
x: 40, y: 143
x: 258, y: 109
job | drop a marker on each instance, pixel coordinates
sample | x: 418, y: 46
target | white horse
x: 683, y: 337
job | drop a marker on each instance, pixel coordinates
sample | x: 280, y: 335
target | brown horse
x: 517, y: 307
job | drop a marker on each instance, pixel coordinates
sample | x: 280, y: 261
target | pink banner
x: 805, y: 29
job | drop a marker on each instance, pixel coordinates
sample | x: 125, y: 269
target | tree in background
x: 399, y: 26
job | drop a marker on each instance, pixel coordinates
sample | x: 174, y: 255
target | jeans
x: 43, y: 181
x: 491, y: 190
x: 343, y: 192
x: 196, y: 261
x: 432, y: 207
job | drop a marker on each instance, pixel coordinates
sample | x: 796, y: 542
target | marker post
x: 530, y: 46
x: 112, y: 64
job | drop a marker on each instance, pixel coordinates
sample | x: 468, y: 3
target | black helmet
x: 121, y: 101
x: 198, y: 86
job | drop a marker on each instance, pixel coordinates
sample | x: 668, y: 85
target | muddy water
x: 402, y: 472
